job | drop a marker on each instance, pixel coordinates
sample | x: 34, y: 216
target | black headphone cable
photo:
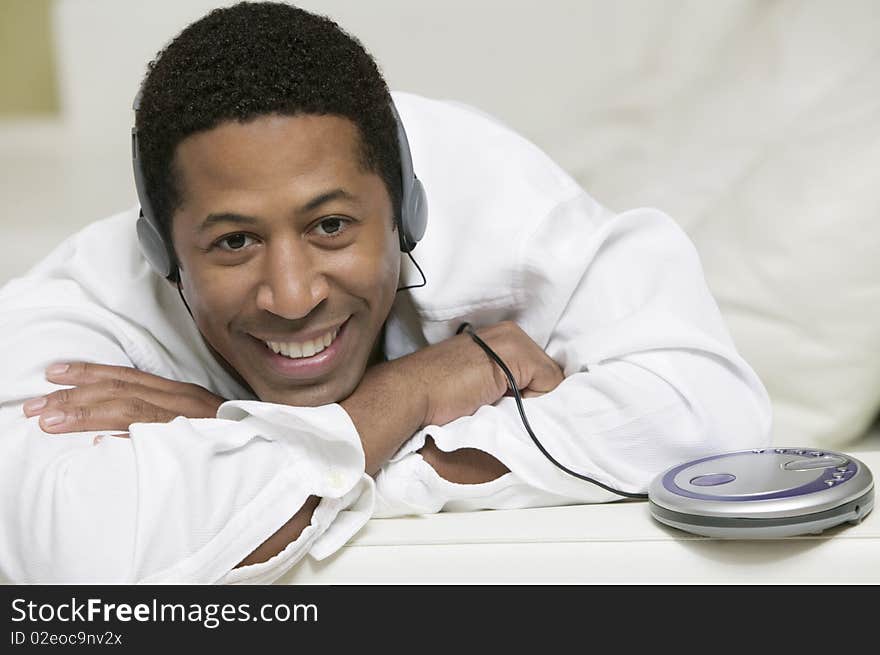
x: 511, y: 381
x: 415, y: 286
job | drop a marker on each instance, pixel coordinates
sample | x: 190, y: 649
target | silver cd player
x: 763, y: 493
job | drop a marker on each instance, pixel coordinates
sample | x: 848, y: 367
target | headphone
x: 159, y: 252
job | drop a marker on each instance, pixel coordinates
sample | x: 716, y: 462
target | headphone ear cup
x: 413, y: 203
x: 153, y: 247
x: 415, y: 218
x: 158, y: 253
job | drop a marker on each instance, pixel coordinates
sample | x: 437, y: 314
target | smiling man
x: 283, y: 376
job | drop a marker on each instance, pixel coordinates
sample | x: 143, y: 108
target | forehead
x: 269, y: 152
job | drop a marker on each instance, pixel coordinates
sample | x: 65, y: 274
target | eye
x: 234, y: 242
x: 332, y: 226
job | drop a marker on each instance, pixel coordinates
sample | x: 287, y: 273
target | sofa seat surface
x: 616, y: 543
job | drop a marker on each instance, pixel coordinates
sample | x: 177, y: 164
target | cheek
x: 373, y: 272
x: 214, y: 300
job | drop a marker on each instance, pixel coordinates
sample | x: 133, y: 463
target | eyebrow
x: 311, y: 205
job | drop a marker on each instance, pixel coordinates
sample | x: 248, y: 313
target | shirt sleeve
x: 178, y: 502
x: 652, y: 377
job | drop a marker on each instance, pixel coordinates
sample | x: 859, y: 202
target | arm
x: 651, y: 375
x: 102, y: 397
x: 386, y: 408
x: 183, y: 501
x: 463, y: 465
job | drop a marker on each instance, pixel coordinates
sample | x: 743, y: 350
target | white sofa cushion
x: 793, y: 257
x: 759, y: 134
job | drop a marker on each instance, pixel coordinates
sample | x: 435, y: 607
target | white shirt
x: 619, y: 301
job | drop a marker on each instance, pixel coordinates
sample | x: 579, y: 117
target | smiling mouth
x: 301, y: 349
x: 304, y: 349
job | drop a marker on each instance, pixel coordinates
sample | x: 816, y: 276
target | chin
x: 324, y: 393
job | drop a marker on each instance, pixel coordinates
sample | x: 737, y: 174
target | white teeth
x: 296, y: 350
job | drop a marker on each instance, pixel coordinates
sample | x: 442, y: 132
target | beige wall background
x: 28, y: 83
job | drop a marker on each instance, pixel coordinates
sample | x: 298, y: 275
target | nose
x: 292, y: 286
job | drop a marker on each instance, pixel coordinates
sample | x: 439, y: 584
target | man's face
x: 286, y: 244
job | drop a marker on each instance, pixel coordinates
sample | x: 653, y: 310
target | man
x: 277, y: 390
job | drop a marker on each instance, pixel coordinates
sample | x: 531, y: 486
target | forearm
x: 289, y: 532
x: 463, y: 466
x: 386, y: 409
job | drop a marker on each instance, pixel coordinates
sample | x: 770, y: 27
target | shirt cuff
x: 326, y: 459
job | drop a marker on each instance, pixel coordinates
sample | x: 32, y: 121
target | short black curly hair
x: 252, y: 59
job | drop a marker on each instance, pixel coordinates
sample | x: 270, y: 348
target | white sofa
x: 756, y: 125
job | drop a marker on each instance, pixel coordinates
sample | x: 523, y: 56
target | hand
x: 459, y: 377
x: 114, y: 397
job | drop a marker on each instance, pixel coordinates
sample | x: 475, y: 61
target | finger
x: 78, y: 373
x: 112, y: 415
x: 116, y: 389
x: 90, y: 394
x: 545, y: 378
x: 526, y: 393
